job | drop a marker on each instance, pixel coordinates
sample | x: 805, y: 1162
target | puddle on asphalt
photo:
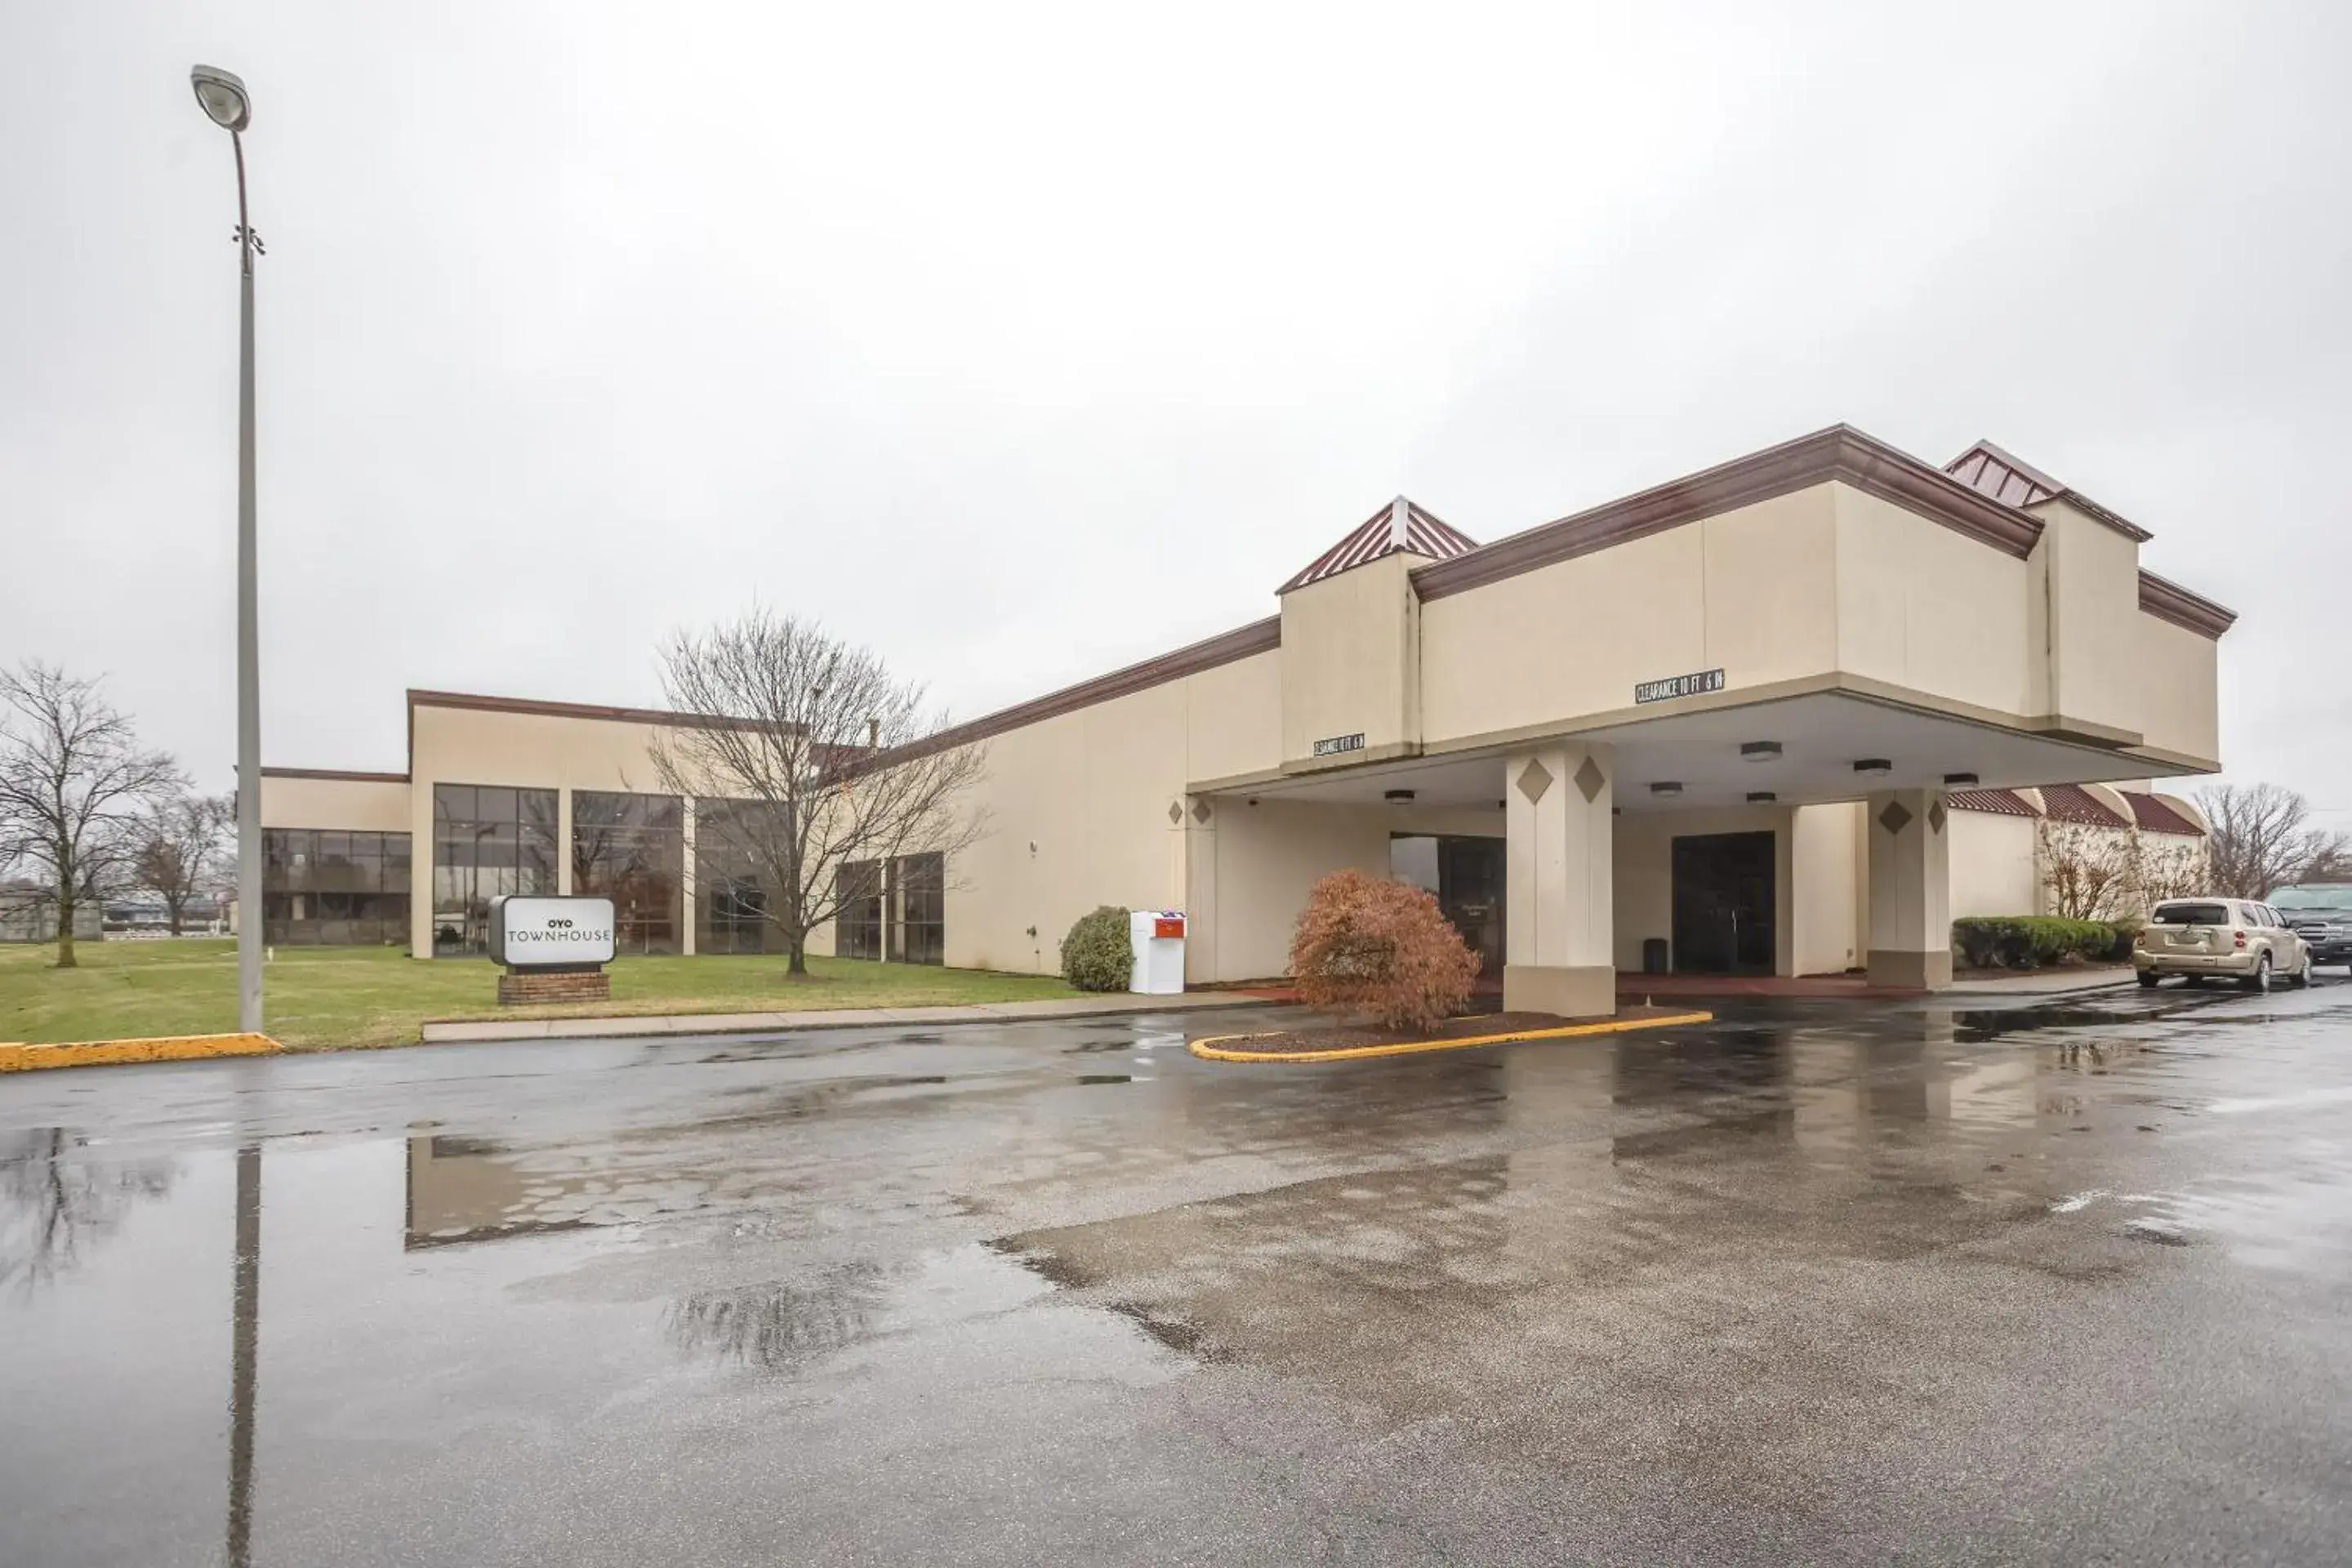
x: 61, y: 1199
x: 781, y: 1325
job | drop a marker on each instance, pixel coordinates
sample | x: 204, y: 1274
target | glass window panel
x: 454, y: 802
x: 494, y: 803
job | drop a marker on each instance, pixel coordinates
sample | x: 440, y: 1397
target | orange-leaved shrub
x: 1365, y: 944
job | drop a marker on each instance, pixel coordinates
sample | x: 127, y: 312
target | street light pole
x: 225, y: 101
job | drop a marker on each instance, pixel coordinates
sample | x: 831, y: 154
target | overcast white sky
x: 1021, y: 342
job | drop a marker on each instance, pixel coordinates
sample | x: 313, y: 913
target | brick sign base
x: 524, y: 989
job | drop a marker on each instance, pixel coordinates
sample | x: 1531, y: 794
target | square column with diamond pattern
x: 1910, y: 841
x: 1559, y: 930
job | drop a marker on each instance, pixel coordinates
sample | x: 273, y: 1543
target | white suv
x: 2235, y: 938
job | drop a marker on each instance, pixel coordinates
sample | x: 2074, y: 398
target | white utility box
x: 1158, y: 938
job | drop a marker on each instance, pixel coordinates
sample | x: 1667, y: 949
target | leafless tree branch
x: 829, y: 751
x: 73, y: 780
x: 2263, y: 839
x: 180, y: 842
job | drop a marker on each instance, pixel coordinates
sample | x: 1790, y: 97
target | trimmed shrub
x: 1365, y: 944
x: 2032, y: 941
x: 1098, y: 954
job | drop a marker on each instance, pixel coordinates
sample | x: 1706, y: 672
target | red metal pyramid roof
x: 2013, y: 481
x: 1400, y: 525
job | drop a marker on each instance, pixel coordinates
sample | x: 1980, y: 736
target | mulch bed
x: 1348, y: 1036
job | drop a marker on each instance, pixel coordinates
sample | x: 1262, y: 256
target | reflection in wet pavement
x: 1816, y: 1282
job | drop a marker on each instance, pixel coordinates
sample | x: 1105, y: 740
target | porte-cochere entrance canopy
x: 1814, y: 643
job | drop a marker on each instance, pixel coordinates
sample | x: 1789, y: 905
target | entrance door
x: 1466, y: 877
x: 1723, y: 899
x: 1470, y: 889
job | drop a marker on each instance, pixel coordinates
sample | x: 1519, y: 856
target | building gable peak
x: 1399, y: 527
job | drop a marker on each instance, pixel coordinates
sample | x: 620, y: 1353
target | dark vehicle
x: 2320, y: 913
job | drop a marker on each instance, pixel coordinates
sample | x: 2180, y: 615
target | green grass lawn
x: 321, y: 996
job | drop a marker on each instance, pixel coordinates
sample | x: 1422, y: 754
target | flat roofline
x: 1225, y: 647
x: 2168, y: 600
x: 1839, y: 452
x: 488, y: 704
x: 340, y: 775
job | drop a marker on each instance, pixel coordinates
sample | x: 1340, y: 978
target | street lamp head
x: 222, y: 94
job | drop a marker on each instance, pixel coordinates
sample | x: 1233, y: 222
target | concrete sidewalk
x: 453, y: 1031
x: 2042, y: 982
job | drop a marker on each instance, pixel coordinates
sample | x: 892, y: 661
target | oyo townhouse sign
x: 533, y: 932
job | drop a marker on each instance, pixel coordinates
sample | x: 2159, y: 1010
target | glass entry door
x: 1724, y: 895
x: 1466, y: 876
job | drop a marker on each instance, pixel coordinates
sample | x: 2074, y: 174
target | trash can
x: 1158, y: 938
x: 1656, y: 957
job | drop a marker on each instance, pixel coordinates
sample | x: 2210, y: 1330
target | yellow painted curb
x: 116, y: 1052
x: 1214, y: 1048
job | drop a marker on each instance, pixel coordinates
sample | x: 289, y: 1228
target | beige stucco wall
x: 362, y: 805
x: 1263, y: 860
x: 2179, y: 681
x: 2089, y: 577
x: 1925, y: 607
x: 1993, y: 870
x: 1750, y: 591
x: 1349, y: 663
x: 1077, y: 809
x: 1825, y: 913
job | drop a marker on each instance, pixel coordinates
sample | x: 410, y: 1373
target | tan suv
x: 2235, y: 938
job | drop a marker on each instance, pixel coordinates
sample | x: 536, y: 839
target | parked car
x: 2233, y: 938
x: 2320, y: 913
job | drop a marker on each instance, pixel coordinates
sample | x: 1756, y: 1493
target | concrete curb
x: 2010, y: 988
x: 1214, y: 1049
x: 484, y: 1030
x: 22, y: 1058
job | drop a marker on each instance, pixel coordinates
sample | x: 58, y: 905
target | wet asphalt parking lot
x: 1820, y: 1282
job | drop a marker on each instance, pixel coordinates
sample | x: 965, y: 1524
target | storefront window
x: 731, y: 892
x: 487, y: 840
x: 919, y: 901
x: 894, y: 910
x: 325, y: 889
x: 857, y: 929
x: 631, y: 849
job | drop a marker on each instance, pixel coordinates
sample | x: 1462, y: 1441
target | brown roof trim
x: 573, y: 710
x: 1995, y: 802
x: 340, y: 775
x: 2074, y: 803
x: 1840, y: 453
x: 2158, y: 815
x: 2168, y: 600
x: 1225, y: 647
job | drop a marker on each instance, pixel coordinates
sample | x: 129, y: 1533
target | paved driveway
x: 1821, y: 1282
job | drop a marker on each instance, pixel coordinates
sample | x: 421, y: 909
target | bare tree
x: 73, y: 779
x: 2261, y: 839
x: 2172, y: 866
x: 180, y: 842
x: 2090, y: 872
x: 835, y: 767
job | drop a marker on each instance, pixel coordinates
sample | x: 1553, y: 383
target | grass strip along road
x: 326, y: 996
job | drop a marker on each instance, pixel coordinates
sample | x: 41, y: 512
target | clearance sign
x: 531, y: 933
